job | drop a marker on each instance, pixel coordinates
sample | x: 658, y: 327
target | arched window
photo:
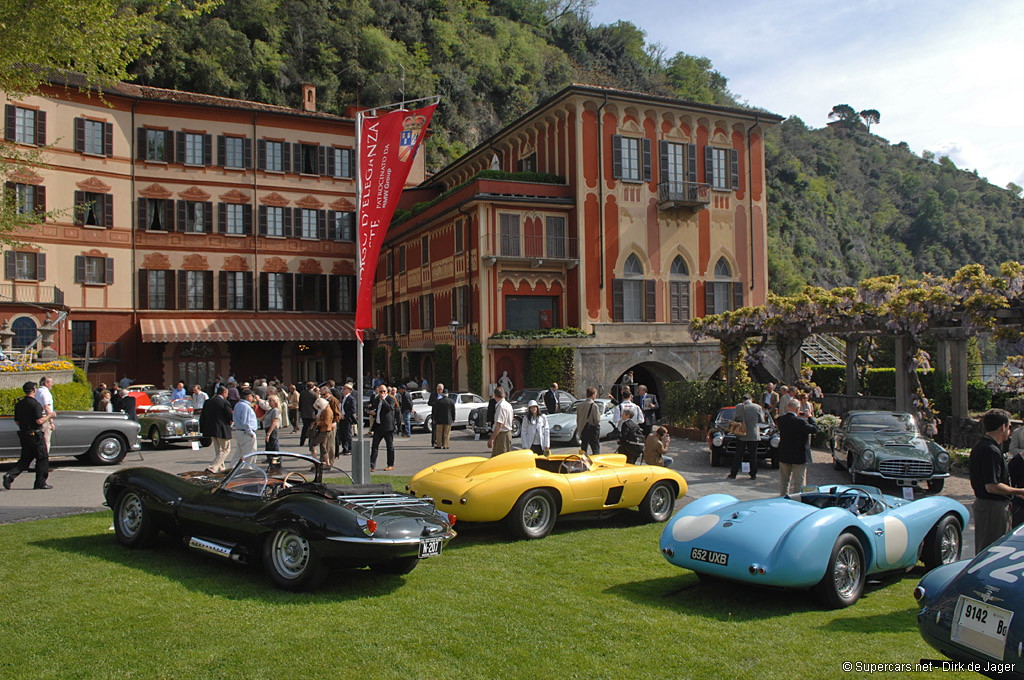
x: 724, y: 294
x: 633, y: 290
x: 24, y: 331
x: 679, y: 291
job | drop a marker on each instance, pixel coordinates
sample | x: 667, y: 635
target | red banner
x: 387, y: 146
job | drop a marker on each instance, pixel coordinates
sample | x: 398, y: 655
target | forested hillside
x: 843, y: 203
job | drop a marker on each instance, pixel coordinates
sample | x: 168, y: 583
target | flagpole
x: 360, y: 460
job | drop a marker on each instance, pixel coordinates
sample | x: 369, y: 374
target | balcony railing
x: 683, y: 194
x: 95, y: 352
x: 531, y: 247
x: 29, y: 292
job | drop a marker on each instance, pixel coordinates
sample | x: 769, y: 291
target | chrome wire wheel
x: 533, y: 515
x: 290, y: 554
x: 846, y: 571
x: 537, y: 513
x: 949, y: 546
x: 130, y: 515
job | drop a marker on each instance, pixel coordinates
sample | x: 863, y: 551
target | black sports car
x: 277, y: 506
x: 723, y: 443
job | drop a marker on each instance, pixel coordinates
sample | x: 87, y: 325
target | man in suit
x: 405, y: 404
x: 127, y: 403
x: 748, y: 413
x: 551, y: 399
x: 794, y: 448
x: 443, y: 415
x: 770, y: 401
x: 348, y: 413
x: 648, y: 405
x: 309, y: 395
x: 215, y: 423
x: 437, y: 395
x: 383, y: 412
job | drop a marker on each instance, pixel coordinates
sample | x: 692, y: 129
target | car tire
x: 716, y: 457
x: 398, y: 567
x: 575, y: 440
x: 134, y: 526
x: 845, y: 576
x: 108, y: 449
x: 205, y: 441
x: 428, y: 423
x: 943, y: 544
x: 835, y: 462
x: 775, y: 462
x: 658, y: 503
x: 935, y: 485
x: 291, y: 562
x: 155, y: 439
x: 533, y: 515
x: 517, y: 424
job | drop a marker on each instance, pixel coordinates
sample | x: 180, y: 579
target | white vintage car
x: 563, y: 425
x: 465, y: 402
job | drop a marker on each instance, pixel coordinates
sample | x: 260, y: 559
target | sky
x: 945, y: 75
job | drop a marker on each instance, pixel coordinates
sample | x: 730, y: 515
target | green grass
x: 593, y: 600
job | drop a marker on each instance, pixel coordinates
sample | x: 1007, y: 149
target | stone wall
x: 18, y: 378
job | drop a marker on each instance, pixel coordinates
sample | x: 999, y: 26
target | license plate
x: 981, y: 626
x: 709, y: 556
x: 430, y: 547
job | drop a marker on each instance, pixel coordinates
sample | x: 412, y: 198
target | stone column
x: 46, y: 333
x: 958, y: 377
x: 852, y: 345
x: 902, y: 395
x: 6, y: 337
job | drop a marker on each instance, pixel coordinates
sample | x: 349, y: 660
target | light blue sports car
x: 829, y: 538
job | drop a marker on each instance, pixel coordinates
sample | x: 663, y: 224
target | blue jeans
x: 407, y: 417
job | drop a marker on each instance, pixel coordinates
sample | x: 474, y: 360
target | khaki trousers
x: 222, y: 449
x: 444, y: 435
x: 502, y: 443
x: 792, y: 475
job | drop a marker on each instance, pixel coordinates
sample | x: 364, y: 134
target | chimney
x: 308, y: 97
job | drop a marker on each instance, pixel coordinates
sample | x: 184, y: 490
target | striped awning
x: 245, y: 330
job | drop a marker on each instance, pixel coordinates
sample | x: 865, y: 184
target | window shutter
x: 179, y: 146
x: 331, y: 170
x: 691, y: 163
x: 40, y: 128
x: 208, y: 290
x: 40, y: 201
x: 650, y: 301
x: 79, y: 135
x: 321, y: 292
x: 10, y: 265
x: 247, y: 220
x: 80, y: 269
x: 207, y: 150
x: 286, y: 157
x: 333, y: 288
x: 709, y: 161
x: 40, y: 266
x: 673, y: 302
x: 182, y: 216
x: 617, y: 156
x: 286, y: 220
x: 734, y: 161
x: 262, y: 219
x: 80, y: 209
x: 143, y: 224
x: 108, y: 271
x: 684, y: 301
x: 321, y: 160
x: 10, y: 122
x: 108, y: 211
x: 169, y: 290
x: 143, y: 301
x: 617, y: 300
x: 247, y: 289
x: 140, y: 145
x: 222, y: 290
x: 663, y: 161
x: 332, y: 230
x: 247, y: 153
x: 321, y: 224
x: 222, y: 218
x: 288, y: 291
x: 108, y: 139
x: 261, y: 154
x: 737, y: 294
x: 221, y: 150
x: 264, y: 290
x: 208, y: 217
x: 709, y: 297
x: 646, y: 145
x: 182, y: 289
x: 300, y: 281
x: 169, y: 147
x: 297, y: 158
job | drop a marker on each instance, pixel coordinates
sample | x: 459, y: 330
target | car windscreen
x: 882, y: 422
x: 524, y: 396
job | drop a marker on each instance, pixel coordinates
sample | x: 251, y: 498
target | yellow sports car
x: 528, y: 491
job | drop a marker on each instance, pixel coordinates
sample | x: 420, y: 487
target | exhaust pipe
x: 217, y: 549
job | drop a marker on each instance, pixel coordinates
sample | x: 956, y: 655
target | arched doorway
x: 653, y: 374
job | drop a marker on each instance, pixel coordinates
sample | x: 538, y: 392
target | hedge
x: 443, y: 364
x: 476, y: 368
x: 73, y: 396
x: 546, y: 365
x: 692, y: 403
x: 831, y: 378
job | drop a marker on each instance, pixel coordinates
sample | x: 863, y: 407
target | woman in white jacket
x: 534, y: 431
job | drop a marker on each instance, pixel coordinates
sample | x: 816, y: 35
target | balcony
x: 95, y: 353
x: 693, y: 195
x: 535, y: 249
x: 30, y: 292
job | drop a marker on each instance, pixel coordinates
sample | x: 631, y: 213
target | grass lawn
x: 592, y: 600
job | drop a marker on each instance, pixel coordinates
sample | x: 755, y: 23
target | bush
x: 979, y: 396
x: 394, y: 365
x: 476, y: 368
x: 443, y: 364
x: 692, y: 403
x: 380, y: 359
x: 546, y: 365
x: 831, y: 378
x: 73, y: 396
x: 880, y: 382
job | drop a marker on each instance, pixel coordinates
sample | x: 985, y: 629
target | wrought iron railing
x: 684, y: 193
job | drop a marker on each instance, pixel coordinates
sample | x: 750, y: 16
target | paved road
x: 79, y: 487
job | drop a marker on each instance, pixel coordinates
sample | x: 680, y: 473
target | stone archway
x: 652, y: 374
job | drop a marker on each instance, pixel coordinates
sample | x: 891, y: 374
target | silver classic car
x: 97, y: 437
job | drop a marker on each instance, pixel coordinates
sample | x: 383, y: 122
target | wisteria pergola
x: 952, y: 309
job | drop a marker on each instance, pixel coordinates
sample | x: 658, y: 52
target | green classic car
x: 888, y: 445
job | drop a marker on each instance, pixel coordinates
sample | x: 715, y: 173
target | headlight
x: 868, y: 457
x: 169, y: 428
x: 943, y: 459
x: 774, y: 441
x: 556, y: 428
x: 717, y: 439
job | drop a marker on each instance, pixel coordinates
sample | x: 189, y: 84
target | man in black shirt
x: 29, y: 415
x: 989, y: 479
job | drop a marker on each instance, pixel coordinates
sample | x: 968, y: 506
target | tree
x: 870, y: 117
x: 693, y: 78
x: 845, y: 113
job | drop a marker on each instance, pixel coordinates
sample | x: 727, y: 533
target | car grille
x: 730, y: 446
x: 905, y: 468
x: 192, y: 426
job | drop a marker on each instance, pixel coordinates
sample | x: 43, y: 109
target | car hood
x: 889, y: 444
x: 753, y: 527
x: 562, y: 420
x: 980, y: 584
